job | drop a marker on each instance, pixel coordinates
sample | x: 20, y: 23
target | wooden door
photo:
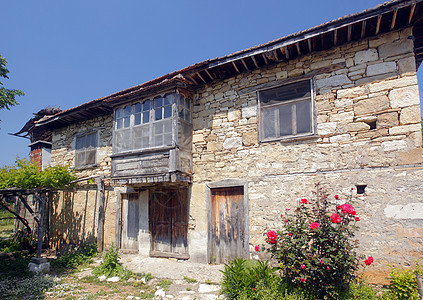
x: 227, y: 238
x: 130, y: 221
x: 169, y: 223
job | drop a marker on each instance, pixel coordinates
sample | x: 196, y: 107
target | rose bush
x: 316, y: 248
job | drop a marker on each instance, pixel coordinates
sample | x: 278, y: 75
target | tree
x: 7, y: 97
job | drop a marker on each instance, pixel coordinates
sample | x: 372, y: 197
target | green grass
x: 190, y: 280
x: 7, y: 225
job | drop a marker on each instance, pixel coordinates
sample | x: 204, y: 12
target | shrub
x: 402, y: 284
x: 111, y: 266
x: 243, y: 278
x: 82, y: 255
x: 316, y: 247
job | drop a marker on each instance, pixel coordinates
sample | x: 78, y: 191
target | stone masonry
x: 368, y: 133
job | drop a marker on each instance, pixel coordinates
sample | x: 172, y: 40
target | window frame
x: 85, y: 150
x: 152, y: 123
x: 298, y: 136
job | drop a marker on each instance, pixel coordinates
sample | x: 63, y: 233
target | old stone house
x: 198, y: 163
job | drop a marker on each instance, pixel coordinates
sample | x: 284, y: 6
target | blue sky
x: 64, y: 53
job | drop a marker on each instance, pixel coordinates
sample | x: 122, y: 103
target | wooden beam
x: 363, y: 28
x: 394, y: 19
x: 379, y: 18
x: 349, y: 33
x: 255, y: 62
x: 413, y: 8
x: 100, y: 226
x: 276, y: 55
x: 236, y: 68
x: 245, y: 64
x: 310, y: 49
x: 265, y: 59
x: 297, y: 44
x: 286, y: 52
x: 335, y: 37
x: 192, y: 78
x: 208, y: 73
x: 201, y: 77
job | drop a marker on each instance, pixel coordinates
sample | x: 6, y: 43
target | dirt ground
x: 171, y: 279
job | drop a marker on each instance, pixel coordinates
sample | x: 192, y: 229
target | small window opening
x: 361, y: 189
x: 372, y: 125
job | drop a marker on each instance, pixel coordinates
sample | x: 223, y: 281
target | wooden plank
x: 413, y: 8
x: 265, y: 59
x: 254, y: 60
x: 235, y: 67
x: 394, y: 19
x: 286, y: 52
x: 335, y: 37
x: 210, y: 75
x: 201, y: 77
x: 363, y: 28
x: 349, y: 29
x: 310, y: 49
x: 297, y: 45
x: 379, y: 19
x: 245, y: 65
x: 100, y: 226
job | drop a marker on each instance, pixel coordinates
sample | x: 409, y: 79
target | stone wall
x: 74, y: 217
x: 63, y: 148
x: 374, y: 84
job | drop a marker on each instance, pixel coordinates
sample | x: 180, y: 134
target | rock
x: 381, y: 68
x: 160, y: 293
x: 407, y: 65
x: 326, y: 128
x: 404, y: 129
x: 396, y: 48
x: 337, y: 80
x: 366, y: 56
x: 39, y: 268
x: 113, y: 279
x: 389, y: 146
x: 371, y: 105
x: 410, y: 114
x: 208, y: 288
x: 102, y: 278
x: 249, y: 111
x: 234, y: 142
x: 403, y: 97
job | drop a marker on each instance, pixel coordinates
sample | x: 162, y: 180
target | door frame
x: 227, y: 183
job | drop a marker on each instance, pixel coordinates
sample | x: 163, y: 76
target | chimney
x: 40, y: 154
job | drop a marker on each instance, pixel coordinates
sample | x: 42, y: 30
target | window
x: 149, y: 124
x: 286, y: 111
x: 86, y: 149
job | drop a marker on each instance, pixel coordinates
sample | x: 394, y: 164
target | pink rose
x: 328, y: 268
x: 288, y: 209
x: 322, y: 261
x: 303, y: 280
x: 286, y: 220
x: 305, y: 201
x: 336, y: 197
x: 257, y: 248
x: 303, y: 267
x: 369, y: 261
x: 335, y: 218
x: 314, y: 225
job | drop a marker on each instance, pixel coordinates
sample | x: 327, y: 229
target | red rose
x: 303, y: 267
x: 335, y: 218
x: 314, y: 225
x: 303, y: 280
x: 369, y: 261
x: 353, y: 213
x: 257, y: 248
x: 347, y: 208
x: 336, y: 197
x: 305, y: 201
x: 357, y: 219
x: 289, y: 234
x: 272, y: 235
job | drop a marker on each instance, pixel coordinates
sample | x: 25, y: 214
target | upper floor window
x: 85, y: 150
x: 150, y: 124
x: 286, y: 111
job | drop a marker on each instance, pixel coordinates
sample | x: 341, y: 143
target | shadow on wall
x: 73, y: 218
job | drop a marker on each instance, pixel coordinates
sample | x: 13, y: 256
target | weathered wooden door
x: 227, y: 238
x: 169, y: 223
x: 130, y: 221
